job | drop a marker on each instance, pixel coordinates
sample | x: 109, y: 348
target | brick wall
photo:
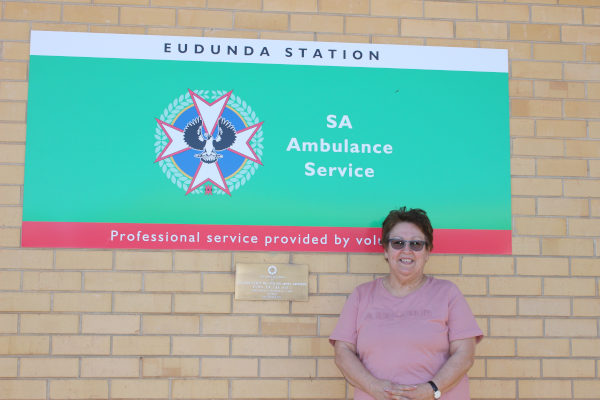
x: 100, y: 324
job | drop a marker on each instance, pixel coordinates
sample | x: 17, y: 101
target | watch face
x: 437, y: 394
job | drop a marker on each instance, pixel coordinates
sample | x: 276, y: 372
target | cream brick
x: 586, y: 389
x: 49, y: 323
x: 10, y: 237
x: 544, y: 306
x: 492, y: 306
x: 447, y: 9
x: 407, y: 8
x: 566, y: 207
x: 556, y: 15
x: 172, y: 282
x: 27, y: 302
x: 582, y: 72
x: 581, y: 34
x: 515, y: 49
x: 312, y: 389
x: 260, y: 258
x: 586, y: 307
x: 569, y: 368
x: 321, y: 262
x: 202, y: 303
x: 320, y: 305
x: 520, y: 88
x: 327, y: 369
x: 16, y: 70
x: 221, y: 33
x: 260, y: 307
x: 113, y: 367
x: 452, y: 43
x: 341, y: 283
x: 261, y: 21
x: 540, y: 226
x: 535, y: 32
x: 493, y: 389
x: 139, y: 388
x: 11, y: 216
x: 592, y: 53
x: 582, y: 148
x: 582, y: 188
x: 91, y: 14
x: 595, y: 207
x: 143, y: 260
x: 10, y: 194
x: 147, y: 16
x: 8, y: 367
x: 311, y: 347
x: 584, y: 227
x: 205, y: 18
x: 567, y: 247
x: 516, y: 327
x: 591, y: 16
x: 398, y: 40
x: 110, y: 324
x: 49, y: 367
x: 78, y: 389
x: 80, y: 345
x: 263, y: 389
x: 338, y: 37
x: 536, y: 108
x: 14, y: 30
x: 288, y: 326
x: 218, y: 283
x: 200, y: 389
x: 23, y: 389
x: 523, y: 206
x: 542, y: 266
x: 202, y: 261
x: 585, y: 266
x: 494, y: 347
x: 586, y: 347
x: 442, y: 264
x: 24, y: 345
x: 230, y: 325
x: 582, y: 109
x: 15, y: 90
x: 536, y: 186
x: 12, y: 153
x: 427, y: 28
x: 202, y: 346
x: 373, y: 25
x: 554, y: 167
x: 259, y: 346
x: 571, y: 327
x: 537, y: 70
x: 10, y: 280
x: 544, y: 389
x: 515, y: 286
x: 290, y: 5
x: 86, y: 259
x: 368, y: 264
x: 569, y: 287
x: 287, y: 36
x: 31, y: 11
x: 525, y: 246
x: 54, y: 281
x: 170, y: 367
x: 140, y: 345
x: 131, y: 30
x: 146, y: 303
x: 481, y: 30
x: 470, y: 286
x: 593, y: 90
x: 555, y: 89
x: 287, y: 367
x: 511, y: 368
x: 545, y: 347
x: 8, y: 323
x: 326, y: 325
x: 170, y: 324
x: 595, y: 168
x: 82, y: 302
x: 503, y: 12
x: 234, y: 4
x: 344, y: 7
x: 522, y: 127
x: 481, y: 265
x: 557, y: 52
x: 230, y: 367
x: 113, y: 281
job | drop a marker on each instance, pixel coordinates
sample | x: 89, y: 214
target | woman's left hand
x: 422, y: 391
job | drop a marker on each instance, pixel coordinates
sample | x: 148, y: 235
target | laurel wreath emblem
x: 181, y: 103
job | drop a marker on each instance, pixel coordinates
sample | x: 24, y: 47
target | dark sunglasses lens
x: 417, y: 245
x: 397, y: 244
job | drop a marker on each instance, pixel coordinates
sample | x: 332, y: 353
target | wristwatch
x: 436, y: 392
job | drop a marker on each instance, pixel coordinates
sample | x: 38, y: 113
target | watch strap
x: 436, y: 390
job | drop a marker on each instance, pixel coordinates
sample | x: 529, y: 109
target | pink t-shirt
x: 406, y: 340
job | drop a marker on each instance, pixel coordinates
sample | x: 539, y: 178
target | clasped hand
x: 395, y: 391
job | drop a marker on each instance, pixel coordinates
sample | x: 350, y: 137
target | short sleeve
x: 461, y: 322
x: 345, y: 330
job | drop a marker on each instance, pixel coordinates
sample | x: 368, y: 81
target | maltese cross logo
x: 213, y: 139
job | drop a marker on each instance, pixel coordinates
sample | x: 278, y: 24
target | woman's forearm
x: 459, y: 363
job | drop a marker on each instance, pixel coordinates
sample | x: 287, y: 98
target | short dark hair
x: 413, y: 215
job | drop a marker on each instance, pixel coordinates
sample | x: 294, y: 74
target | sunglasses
x: 399, y: 244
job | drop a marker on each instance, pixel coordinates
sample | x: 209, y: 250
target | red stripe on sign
x: 248, y: 238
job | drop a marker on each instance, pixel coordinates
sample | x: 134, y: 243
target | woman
x: 406, y: 335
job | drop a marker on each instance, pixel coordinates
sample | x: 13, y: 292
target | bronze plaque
x: 271, y: 282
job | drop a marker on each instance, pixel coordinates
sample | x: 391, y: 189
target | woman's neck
x: 401, y: 289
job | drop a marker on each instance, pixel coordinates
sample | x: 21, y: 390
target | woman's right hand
x: 386, y: 390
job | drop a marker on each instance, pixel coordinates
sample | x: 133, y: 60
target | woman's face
x: 405, y: 264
